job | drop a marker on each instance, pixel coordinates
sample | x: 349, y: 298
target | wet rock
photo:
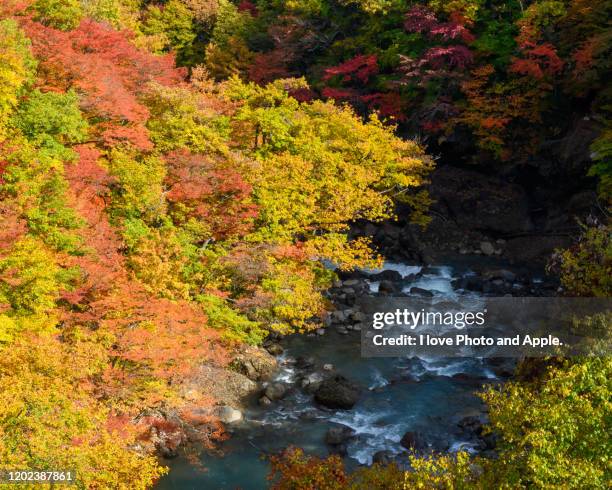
x: 468, y: 378
x: 414, y: 440
x: 337, y: 392
x: 275, y: 391
x: 167, y: 452
x: 383, y: 457
x: 264, y: 401
x: 328, y: 367
x: 476, y: 471
x: 358, y: 317
x: 305, y: 363
x: 487, y: 248
x: 535, y: 250
x: 255, y: 363
x: 338, y: 316
x: 274, y: 349
x: 388, y: 287
x: 503, y: 274
x: 338, y: 435
x: 421, y: 292
x: 166, y: 432
x: 312, y: 381
x: 489, y: 440
x: 227, y: 414
x: 429, y: 270
x: 440, y: 445
x: 387, y: 275
x: 320, y: 331
x: 503, y: 367
x: 471, y: 283
x: 471, y: 425
x: 342, y: 330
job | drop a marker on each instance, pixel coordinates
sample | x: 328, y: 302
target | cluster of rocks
x: 495, y: 281
x: 345, y: 296
x: 470, y: 430
x: 485, y: 248
x: 232, y: 389
x: 503, y: 282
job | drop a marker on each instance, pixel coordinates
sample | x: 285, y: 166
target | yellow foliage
x: 318, y: 167
x: 157, y: 261
x: 16, y: 69
x: 49, y: 418
x: 226, y: 61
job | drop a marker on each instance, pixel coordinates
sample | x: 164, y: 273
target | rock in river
x: 338, y: 435
x: 414, y: 440
x: 337, y: 392
x: 275, y: 391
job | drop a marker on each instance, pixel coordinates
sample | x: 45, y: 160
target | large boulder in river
x: 312, y: 381
x: 337, y: 439
x: 386, y: 275
x: 416, y: 291
x: 389, y: 287
x: 337, y: 392
x: 414, y: 441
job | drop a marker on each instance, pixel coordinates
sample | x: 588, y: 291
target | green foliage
x: 235, y: 326
x: 61, y: 14
x: 34, y: 178
x: 180, y: 119
x: 586, y: 268
x: 17, y: 67
x: 468, y: 8
x: 175, y: 22
x: 52, y: 121
x: 295, y: 296
x: 373, y: 6
x: 230, y: 23
x: 603, y: 165
x: 555, y: 432
x: 103, y: 10
x: 139, y: 192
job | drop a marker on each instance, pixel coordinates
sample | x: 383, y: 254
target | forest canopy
x: 176, y: 178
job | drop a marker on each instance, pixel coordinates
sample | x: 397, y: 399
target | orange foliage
x: 150, y: 335
x: 108, y: 70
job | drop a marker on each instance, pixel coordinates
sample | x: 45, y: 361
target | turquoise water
x: 399, y: 395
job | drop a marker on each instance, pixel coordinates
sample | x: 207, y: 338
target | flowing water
x: 399, y: 395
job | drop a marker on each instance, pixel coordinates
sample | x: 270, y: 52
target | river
x: 399, y: 395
